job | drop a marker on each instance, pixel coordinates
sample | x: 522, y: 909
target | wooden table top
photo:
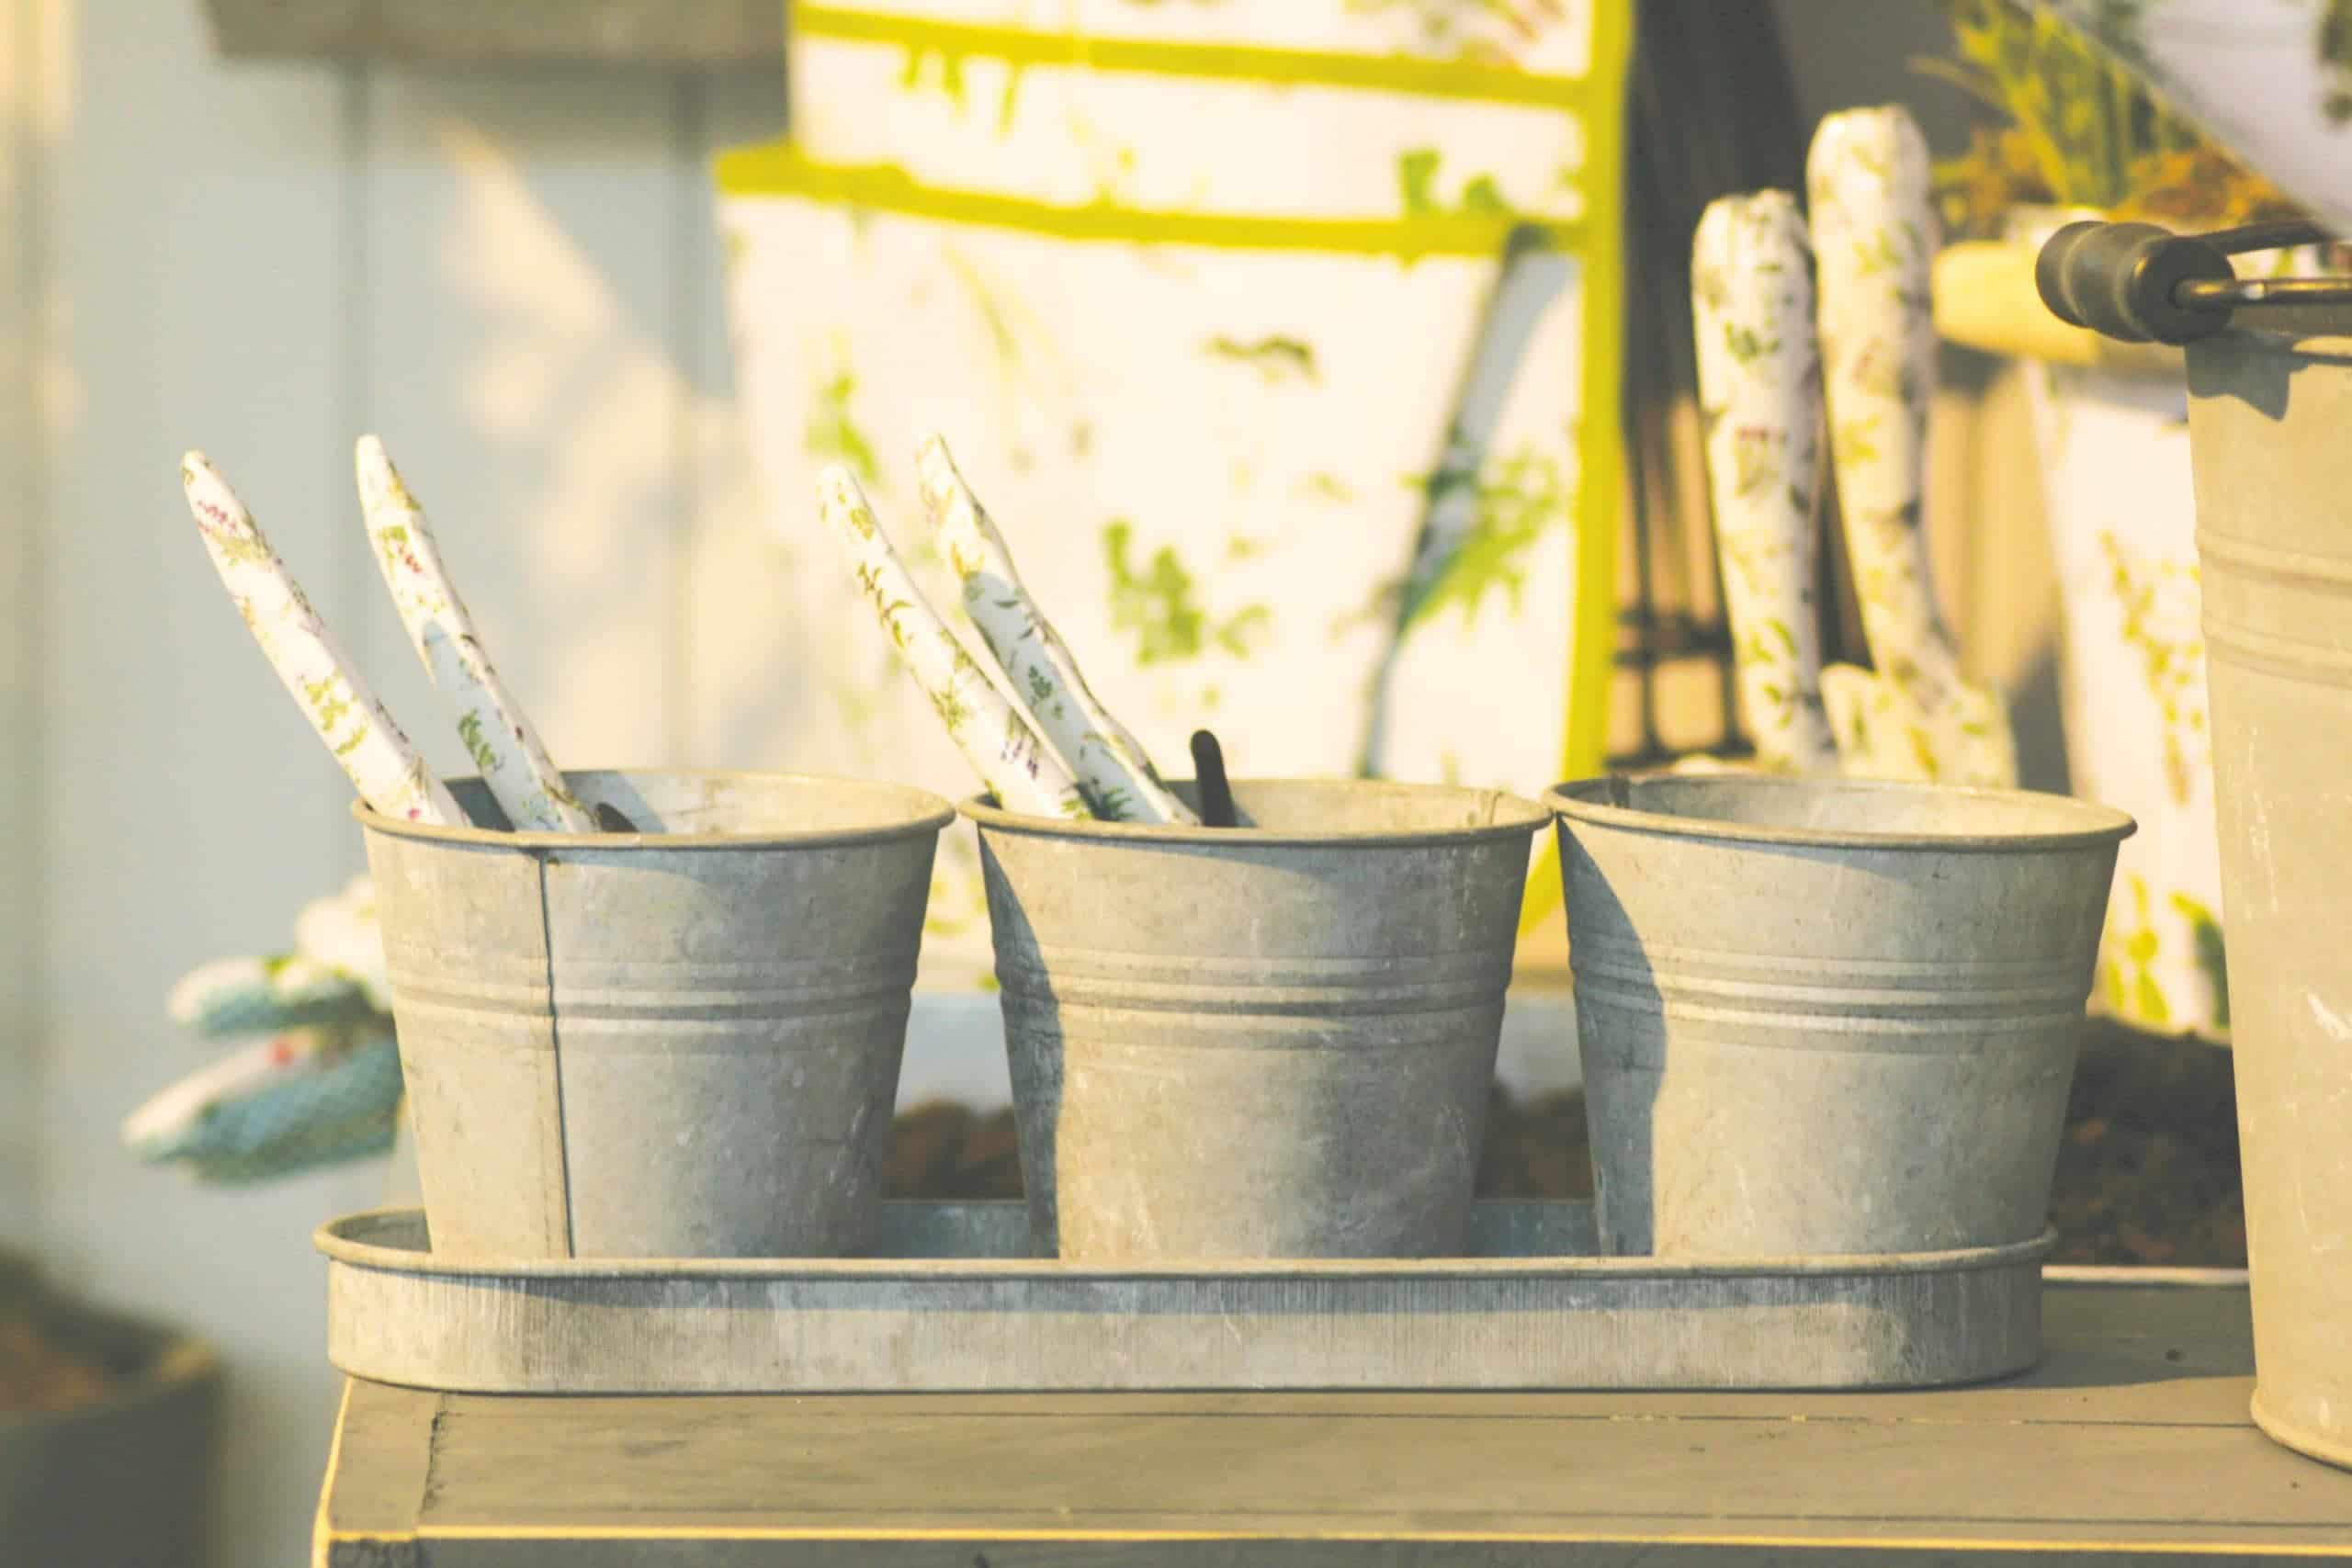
x: 2130, y: 1444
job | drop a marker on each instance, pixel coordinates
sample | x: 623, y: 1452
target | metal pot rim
x: 926, y: 813
x: 1586, y: 800
x: 1513, y: 816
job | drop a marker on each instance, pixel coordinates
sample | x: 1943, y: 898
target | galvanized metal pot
x: 2271, y: 444
x: 1828, y: 1016
x: 682, y: 1043
x: 1271, y: 1040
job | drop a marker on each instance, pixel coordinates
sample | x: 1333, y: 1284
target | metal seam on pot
x: 562, y: 1188
x: 2261, y: 560
x: 1274, y: 1002
x: 618, y: 1005
x: 1414, y: 969
x: 595, y: 1035
x: 1091, y: 1019
x: 685, y: 1009
x: 1101, y: 1029
x: 477, y: 996
x: 1036, y: 987
x: 703, y: 992
x: 1763, y: 969
x: 1874, y: 1027
x: 1635, y: 981
x: 703, y: 974
x: 1825, y: 1008
x: 2288, y: 657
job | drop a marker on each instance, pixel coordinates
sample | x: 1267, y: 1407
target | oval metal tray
x: 948, y: 1304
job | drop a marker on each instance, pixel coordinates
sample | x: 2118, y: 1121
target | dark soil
x: 946, y: 1151
x: 2147, y: 1174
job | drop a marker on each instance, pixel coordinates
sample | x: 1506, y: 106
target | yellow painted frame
x: 1598, y: 96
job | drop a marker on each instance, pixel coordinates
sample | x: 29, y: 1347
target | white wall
x: 512, y: 278
x: 25, y: 115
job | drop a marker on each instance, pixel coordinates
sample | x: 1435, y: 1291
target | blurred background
x: 259, y: 230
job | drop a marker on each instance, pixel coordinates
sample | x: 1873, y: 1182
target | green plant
x: 2081, y: 131
x: 1159, y: 602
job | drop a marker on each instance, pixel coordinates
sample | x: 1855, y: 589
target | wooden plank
x: 718, y: 34
x: 1570, y: 1475
x: 521, y: 272
x: 2051, y: 1463
x: 986, y: 1552
x: 377, y: 1473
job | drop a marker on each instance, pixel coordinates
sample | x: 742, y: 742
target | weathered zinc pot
x: 682, y: 1043
x: 1825, y: 1016
x: 1270, y: 1041
x: 2269, y: 400
x: 2269, y: 408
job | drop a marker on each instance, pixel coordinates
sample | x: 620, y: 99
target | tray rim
x: 342, y: 1242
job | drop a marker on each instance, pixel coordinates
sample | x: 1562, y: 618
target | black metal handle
x: 2138, y: 283
x: 1208, y: 773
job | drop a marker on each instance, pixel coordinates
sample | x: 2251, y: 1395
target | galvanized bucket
x: 1271, y: 1041
x: 2270, y: 449
x: 1828, y: 1016
x: 2270, y: 442
x: 682, y: 1043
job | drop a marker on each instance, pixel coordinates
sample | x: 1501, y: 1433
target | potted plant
x: 106, y: 1433
x: 314, y: 1077
x: 109, y: 1423
x: 2082, y: 139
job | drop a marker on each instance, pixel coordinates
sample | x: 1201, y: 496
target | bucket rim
x: 1586, y: 800
x: 928, y: 813
x: 1527, y: 818
x: 375, y: 1239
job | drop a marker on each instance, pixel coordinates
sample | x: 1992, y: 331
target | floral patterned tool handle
x: 1008, y: 755
x: 1760, y: 394
x: 1874, y: 236
x: 512, y: 763
x: 1110, y: 765
x: 381, y: 762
